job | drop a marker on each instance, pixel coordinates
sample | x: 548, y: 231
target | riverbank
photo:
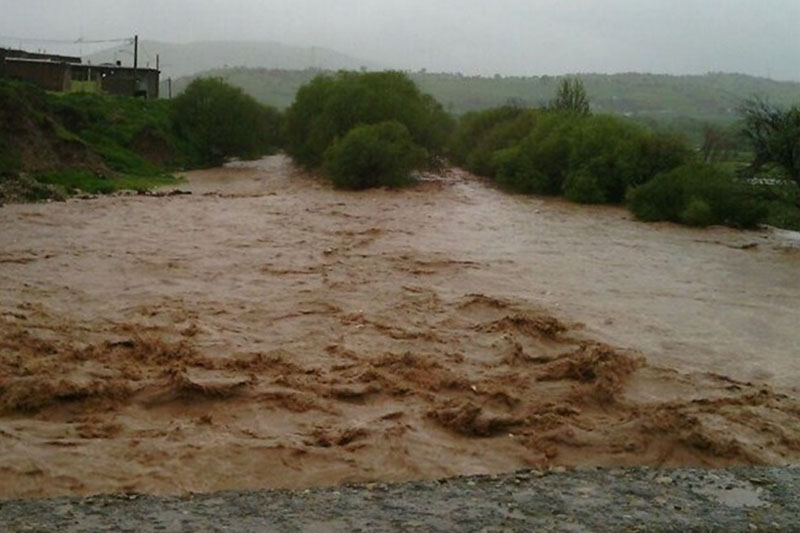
x: 640, y: 499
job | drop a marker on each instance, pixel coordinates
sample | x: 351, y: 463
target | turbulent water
x: 267, y: 331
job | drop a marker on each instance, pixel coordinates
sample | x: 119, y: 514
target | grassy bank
x: 77, y: 181
x: 84, y: 142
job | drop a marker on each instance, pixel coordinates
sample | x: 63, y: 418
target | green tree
x: 222, y: 121
x: 330, y: 106
x: 571, y: 96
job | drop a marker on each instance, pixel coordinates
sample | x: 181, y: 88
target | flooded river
x: 268, y: 331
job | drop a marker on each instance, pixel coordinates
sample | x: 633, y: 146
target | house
x: 70, y: 74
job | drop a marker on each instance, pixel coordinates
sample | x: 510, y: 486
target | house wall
x: 152, y: 81
x: 56, y: 73
x: 121, y: 81
x: 50, y: 76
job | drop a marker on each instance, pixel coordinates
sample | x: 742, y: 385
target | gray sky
x: 758, y: 37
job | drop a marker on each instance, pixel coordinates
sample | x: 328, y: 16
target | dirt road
x: 269, y: 332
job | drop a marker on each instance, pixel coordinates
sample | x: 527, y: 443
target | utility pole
x: 158, y: 62
x: 169, y: 84
x: 135, y: 65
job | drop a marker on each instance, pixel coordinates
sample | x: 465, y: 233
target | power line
x: 79, y: 40
x: 128, y: 40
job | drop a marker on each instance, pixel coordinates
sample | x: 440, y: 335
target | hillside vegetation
x: 86, y: 142
x: 54, y: 144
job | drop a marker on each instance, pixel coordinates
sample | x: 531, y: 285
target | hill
x: 709, y: 96
x: 185, y: 59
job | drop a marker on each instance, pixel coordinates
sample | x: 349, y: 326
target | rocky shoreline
x: 621, y: 499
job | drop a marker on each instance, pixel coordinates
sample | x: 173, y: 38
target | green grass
x: 109, y: 127
x: 74, y: 181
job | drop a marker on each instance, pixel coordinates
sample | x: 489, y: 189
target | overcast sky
x: 758, y: 37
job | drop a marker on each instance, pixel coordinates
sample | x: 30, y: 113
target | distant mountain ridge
x: 713, y: 97
x: 186, y: 59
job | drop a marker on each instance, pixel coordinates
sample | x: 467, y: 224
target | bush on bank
x: 330, y: 106
x: 599, y: 159
x: 221, y: 121
x: 698, y: 195
x: 588, y: 159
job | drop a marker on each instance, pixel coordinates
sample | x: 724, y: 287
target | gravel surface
x: 631, y: 499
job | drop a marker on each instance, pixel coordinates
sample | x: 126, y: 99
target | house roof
x: 10, y: 52
x: 103, y: 66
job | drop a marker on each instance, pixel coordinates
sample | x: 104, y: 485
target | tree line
x: 374, y: 129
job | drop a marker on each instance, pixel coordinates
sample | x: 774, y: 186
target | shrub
x: 608, y: 148
x: 548, y: 148
x: 328, y: 107
x: 372, y: 156
x: 222, y: 121
x: 583, y: 187
x: 783, y: 204
x: 604, y: 155
x: 516, y: 172
x: 540, y: 162
x: 474, y: 127
x: 697, y: 213
x: 661, y: 152
x: 783, y: 214
x: 502, y: 135
x: 699, y: 195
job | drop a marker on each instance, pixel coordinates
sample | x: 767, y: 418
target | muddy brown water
x: 269, y: 332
